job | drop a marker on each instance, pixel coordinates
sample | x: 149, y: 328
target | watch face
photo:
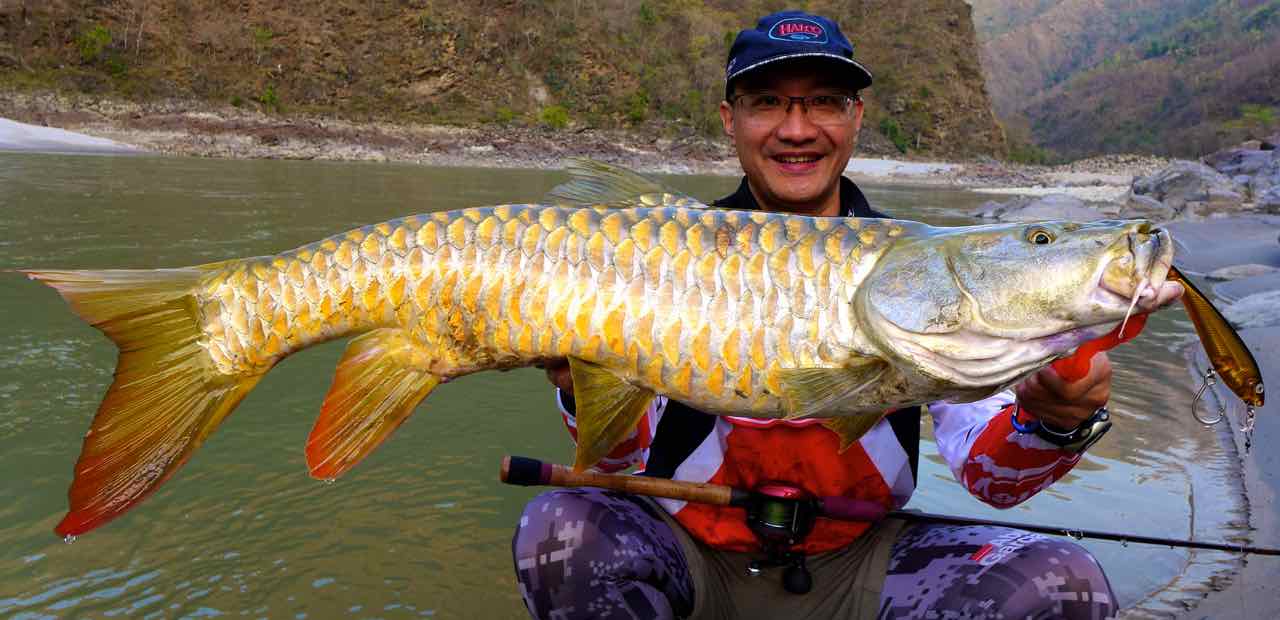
x: 1092, y: 434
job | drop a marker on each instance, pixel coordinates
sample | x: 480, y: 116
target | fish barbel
x: 735, y: 313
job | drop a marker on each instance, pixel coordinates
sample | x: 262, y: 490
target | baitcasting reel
x: 781, y: 516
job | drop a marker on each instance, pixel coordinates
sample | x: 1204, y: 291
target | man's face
x: 792, y: 164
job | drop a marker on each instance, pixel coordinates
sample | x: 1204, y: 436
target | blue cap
x: 789, y: 35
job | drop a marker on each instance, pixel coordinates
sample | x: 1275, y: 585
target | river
x: 422, y: 528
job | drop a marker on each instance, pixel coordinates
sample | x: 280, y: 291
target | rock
x: 1186, y: 181
x: 990, y: 210
x: 1050, y: 207
x: 1269, y: 201
x: 1240, y: 160
x: 1238, y: 272
x: 1222, y: 242
x: 1271, y: 143
x: 1234, y: 290
x: 1266, y: 178
x: 1147, y: 208
x: 1259, y: 310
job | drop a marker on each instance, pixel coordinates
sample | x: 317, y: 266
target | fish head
x: 986, y: 305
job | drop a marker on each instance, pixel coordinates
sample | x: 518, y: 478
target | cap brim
x: 860, y: 75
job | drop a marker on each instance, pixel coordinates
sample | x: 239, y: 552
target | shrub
x: 554, y: 116
x: 1026, y: 153
x: 116, y: 66
x: 895, y: 134
x: 504, y: 115
x: 638, y: 107
x: 269, y: 99
x: 92, y: 42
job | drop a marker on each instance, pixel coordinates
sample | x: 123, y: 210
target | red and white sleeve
x: 998, y: 464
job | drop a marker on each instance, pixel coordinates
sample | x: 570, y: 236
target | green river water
x: 422, y: 528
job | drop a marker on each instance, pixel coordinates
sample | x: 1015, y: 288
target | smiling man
x: 794, y: 161
x: 793, y: 109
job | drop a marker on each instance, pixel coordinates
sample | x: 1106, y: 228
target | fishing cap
x: 789, y: 35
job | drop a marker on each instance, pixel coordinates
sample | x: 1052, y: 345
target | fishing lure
x: 1229, y: 358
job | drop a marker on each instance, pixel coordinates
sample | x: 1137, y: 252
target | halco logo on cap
x: 799, y: 30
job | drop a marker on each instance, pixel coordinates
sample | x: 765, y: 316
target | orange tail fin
x: 167, y: 396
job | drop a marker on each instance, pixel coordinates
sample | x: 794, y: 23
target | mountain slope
x: 557, y: 63
x: 1173, y: 77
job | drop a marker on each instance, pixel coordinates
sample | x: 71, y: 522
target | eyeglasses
x: 773, y: 108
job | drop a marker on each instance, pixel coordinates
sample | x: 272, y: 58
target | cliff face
x: 558, y: 63
x: 1172, y: 77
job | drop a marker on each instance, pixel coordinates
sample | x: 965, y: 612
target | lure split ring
x: 1209, y: 381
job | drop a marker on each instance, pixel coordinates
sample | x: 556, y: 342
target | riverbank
x: 200, y: 130
x: 1254, y: 590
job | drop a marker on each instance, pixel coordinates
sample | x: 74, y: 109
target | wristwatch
x: 1076, y: 440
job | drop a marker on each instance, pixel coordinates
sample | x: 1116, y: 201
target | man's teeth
x: 796, y: 159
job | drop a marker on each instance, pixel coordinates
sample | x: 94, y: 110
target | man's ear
x: 726, y: 117
x: 857, y: 118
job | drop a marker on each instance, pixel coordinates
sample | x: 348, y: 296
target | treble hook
x: 1249, y: 416
x: 1209, y: 381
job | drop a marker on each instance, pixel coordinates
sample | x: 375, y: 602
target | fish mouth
x: 1138, y: 274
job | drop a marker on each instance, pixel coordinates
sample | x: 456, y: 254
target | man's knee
x: 552, y: 527
x: 590, y: 553
x: 1060, y: 577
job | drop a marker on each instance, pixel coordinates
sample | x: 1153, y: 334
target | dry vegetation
x: 655, y: 65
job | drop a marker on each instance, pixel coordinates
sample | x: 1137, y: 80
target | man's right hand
x: 559, y: 376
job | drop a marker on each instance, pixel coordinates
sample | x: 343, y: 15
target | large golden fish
x: 736, y: 313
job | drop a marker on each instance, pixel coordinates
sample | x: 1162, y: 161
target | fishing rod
x: 778, y: 513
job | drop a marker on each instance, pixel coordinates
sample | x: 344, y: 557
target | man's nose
x: 796, y: 126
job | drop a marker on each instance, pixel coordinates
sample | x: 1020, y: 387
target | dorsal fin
x: 594, y: 183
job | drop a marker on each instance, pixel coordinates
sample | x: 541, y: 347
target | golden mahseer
x: 756, y: 314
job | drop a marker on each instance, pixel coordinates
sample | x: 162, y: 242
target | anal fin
x: 378, y: 383
x: 809, y: 392
x: 608, y: 409
x: 851, y: 428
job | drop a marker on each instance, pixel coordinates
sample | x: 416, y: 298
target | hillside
x: 1171, y: 77
x: 562, y: 64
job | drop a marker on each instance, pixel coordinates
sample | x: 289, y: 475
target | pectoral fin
x: 851, y: 428
x: 808, y: 392
x: 608, y: 409
x: 377, y: 385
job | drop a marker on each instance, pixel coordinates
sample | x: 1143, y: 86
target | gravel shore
x: 200, y: 130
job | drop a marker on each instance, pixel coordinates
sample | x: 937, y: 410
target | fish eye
x: 1040, y: 236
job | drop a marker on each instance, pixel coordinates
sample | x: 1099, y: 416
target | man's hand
x: 558, y: 375
x: 1062, y: 405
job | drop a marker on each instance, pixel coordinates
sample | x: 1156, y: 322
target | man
x: 792, y: 108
